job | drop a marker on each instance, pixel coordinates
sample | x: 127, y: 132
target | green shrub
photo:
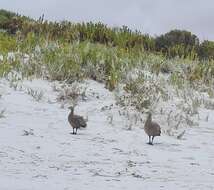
x: 7, y: 43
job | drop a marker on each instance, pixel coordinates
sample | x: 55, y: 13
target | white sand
x: 102, y: 156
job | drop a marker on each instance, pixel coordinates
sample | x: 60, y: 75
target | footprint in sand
x: 3, y: 154
x: 188, y: 158
x: 194, y: 147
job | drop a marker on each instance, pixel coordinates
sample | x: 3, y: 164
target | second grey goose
x: 76, y: 121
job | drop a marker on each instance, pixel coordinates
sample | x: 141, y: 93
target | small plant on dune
x: 176, y: 79
x: 32, y: 68
x: 14, y: 85
x: 62, y: 65
x: 161, y: 65
x: 5, y: 69
x: 14, y: 78
x: 210, y: 92
x: 144, y: 92
x: 2, y: 112
x: 37, y: 95
x: 71, y: 93
x: 209, y: 104
x: 29, y: 43
x: 110, y: 119
x: 112, y: 80
x: 190, y: 122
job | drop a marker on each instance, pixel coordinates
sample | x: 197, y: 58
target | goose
x: 76, y: 121
x: 151, y: 128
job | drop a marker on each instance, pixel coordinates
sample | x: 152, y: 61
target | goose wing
x: 79, y: 120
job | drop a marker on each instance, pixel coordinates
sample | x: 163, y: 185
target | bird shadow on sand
x: 155, y: 144
x: 78, y: 134
x: 165, y: 145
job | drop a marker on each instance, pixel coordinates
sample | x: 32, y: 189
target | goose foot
x: 150, y: 143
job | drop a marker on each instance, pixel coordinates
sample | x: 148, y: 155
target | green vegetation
x: 178, y: 43
x: 175, y: 43
x: 67, y: 51
x: 171, y: 69
x: 206, y: 50
x: 8, y: 43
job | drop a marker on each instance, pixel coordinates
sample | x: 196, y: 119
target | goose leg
x: 149, y: 140
x: 73, y: 131
x: 152, y: 139
x: 76, y: 131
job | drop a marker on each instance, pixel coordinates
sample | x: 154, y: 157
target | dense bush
x: 206, y: 50
x: 177, y: 43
